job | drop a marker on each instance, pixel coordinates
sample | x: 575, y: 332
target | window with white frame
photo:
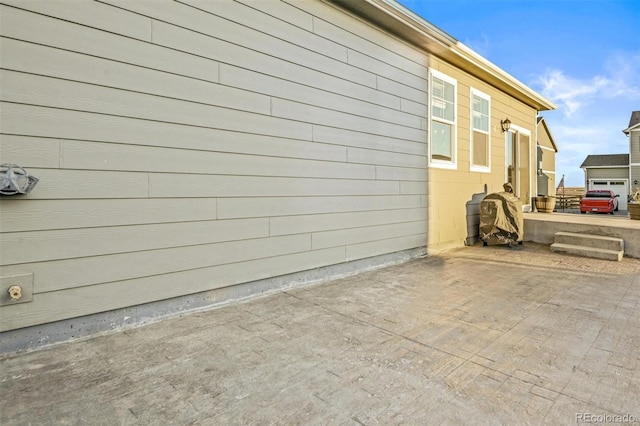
x: 443, y: 120
x: 480, y: 131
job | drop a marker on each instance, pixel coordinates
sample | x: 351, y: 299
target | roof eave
x: 400, y: 21
x: 617, y: 166
x: 629, y: 129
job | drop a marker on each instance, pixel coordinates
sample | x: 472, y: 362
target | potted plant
x: 545, y: 203
x: 634, y: 205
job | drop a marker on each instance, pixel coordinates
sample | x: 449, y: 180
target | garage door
x: 619, y: 187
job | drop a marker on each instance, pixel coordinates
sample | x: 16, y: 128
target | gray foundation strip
x: 40, y: 336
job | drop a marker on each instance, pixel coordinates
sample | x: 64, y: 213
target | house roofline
x: 606, y: 167
x: 405, y: 24
x: 546, y: 127
x: 629, y: 129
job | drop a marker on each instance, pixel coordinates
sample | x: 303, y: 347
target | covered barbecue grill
x: 501, y: 220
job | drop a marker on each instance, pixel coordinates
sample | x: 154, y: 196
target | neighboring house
x: 198, y: 152
x: 617, y: 172
x: 633, y: 132
x: 547, y: 149
x: 608, y: 171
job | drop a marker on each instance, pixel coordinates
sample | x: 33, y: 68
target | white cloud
x: 624, y: 69
x: 592, y: 110
x: 573, y: 94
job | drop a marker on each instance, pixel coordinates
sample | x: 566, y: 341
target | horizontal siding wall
x: 189, y: 146
x: 604, y: 173
x: 454, y: 193
x: 634, y: 146
x: 634, y: 176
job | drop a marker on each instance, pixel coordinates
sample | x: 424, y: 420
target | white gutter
x: 628, y: 130
x: 605, y: 167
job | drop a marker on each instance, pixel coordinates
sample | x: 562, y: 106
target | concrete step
x: 585, y: 251
x: 588, y: 240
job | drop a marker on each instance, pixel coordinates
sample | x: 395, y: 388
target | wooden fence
x: 569, y: 197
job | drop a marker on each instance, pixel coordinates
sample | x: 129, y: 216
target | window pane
x: 480, y: 122
x: 480, y: 113
x: 448, y: 91
x: 448, y: 112
x: 438, y: 88
x: 438, y: 107
x: 480, y: 149
x: 442, y: 99
x: 441, y: 141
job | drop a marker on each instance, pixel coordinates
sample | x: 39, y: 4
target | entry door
x: 512, y: 160
x: 518, y: 150
x: 524, y: 158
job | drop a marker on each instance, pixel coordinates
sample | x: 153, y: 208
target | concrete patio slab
x: 480, y: 335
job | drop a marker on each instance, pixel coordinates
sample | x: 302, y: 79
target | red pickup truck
x: 599, y: 201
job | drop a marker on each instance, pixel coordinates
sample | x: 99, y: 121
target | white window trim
x: 441, y: 164
x: 473, y: 167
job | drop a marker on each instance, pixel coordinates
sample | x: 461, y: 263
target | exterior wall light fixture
x: 505, y: 124
x: 14, y: 180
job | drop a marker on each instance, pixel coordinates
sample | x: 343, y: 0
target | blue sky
x: 584, y: 55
